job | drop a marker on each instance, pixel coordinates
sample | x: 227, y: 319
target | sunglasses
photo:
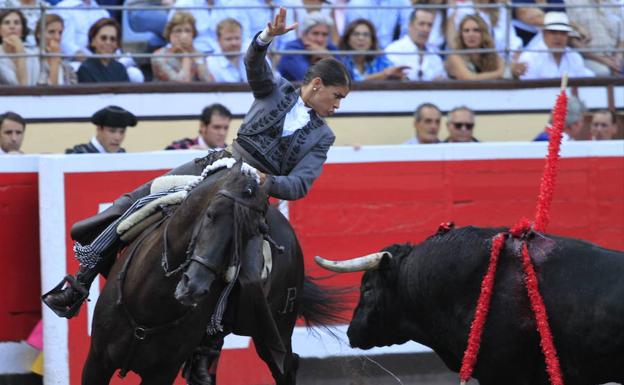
x: 459, y: 125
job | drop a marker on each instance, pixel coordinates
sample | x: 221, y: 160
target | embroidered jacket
x: 295, y: 161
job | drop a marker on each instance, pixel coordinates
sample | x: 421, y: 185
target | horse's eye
x: 209, y: 215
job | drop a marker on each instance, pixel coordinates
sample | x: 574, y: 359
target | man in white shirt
x: 12, y: 127
x: 544, y: 65
x: 603, y: 125
x: 385, y: 18
x: 424, y: 65
x: 426, y: 124
x: 77, y: 21
x: 229, y: 68
x: 207, y: 19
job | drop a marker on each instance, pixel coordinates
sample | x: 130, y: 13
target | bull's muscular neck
x: 441, y: 277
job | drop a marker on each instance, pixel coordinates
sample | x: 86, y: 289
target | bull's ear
x: 385, y: 264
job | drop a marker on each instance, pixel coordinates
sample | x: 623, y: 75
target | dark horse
x: 149, y: 321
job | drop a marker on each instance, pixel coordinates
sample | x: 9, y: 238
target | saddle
x: 131, y: 227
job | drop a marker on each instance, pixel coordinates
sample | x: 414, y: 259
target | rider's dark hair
x: 215, y: 108
x: 331, y: 71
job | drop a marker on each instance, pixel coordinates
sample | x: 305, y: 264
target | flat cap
x: 114, y: 116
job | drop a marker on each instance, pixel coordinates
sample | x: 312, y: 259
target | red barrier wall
x: 20, y: 282
x: 355, y: 209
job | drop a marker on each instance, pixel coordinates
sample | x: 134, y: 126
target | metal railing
x: 505, y: 52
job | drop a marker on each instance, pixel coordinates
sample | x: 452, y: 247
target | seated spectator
x: 179, y: 32
x: 503, y: 35
x: 301, y: 10
x: 153, y: 21
x: 426, y: 124
x: 437, y: 38
x: 110, y: 131
x: 103, y: 40
x: 423, y: 64
x: 12, y: 127
x: 207, y: 19
x: 314, y: 38
x: 214, y: 124
x: 360, y: 36
x: 79, y: 17
x: 229, y: 68
x: 605, y: 30
x: 16, y: 70
x: 573, y: 126
x: 544, y: 65
x: 528, y: 21
x: 31, y: 13
x: 474, y: 34
x: 460, y: 125
x: 54, y: 70
x: 603, y: 125
x: 384, y: 17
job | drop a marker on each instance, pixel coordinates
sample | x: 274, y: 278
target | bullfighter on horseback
x: 283, y: 135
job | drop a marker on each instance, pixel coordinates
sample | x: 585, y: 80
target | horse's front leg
x: 97, y: 371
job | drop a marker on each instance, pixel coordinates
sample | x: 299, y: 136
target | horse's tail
x: 323, y: 305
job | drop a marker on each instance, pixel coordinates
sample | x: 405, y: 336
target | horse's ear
x: 237, y: 166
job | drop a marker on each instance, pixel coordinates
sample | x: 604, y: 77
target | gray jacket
x: 296, y: 161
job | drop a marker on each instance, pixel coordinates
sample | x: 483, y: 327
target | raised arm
x: 259, y: 74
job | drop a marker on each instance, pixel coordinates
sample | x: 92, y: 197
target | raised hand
x: 278, y: 26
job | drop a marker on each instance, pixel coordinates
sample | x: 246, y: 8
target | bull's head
x: 377, y: 317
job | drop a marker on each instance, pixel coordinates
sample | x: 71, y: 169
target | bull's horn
x: 367, y: 262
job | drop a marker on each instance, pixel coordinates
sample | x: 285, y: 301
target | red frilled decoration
x: 521, y: 231
x: 547, y: 185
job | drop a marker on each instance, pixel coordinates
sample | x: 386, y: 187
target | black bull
x: 427, y: 293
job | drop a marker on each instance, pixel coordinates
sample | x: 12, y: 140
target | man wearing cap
x: 544, y: 65
x: 315, y: 32
x: 110, y: 123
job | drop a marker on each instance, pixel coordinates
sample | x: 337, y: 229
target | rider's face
x: 325, y: 100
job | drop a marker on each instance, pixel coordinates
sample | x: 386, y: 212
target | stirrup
x: 74, y: 308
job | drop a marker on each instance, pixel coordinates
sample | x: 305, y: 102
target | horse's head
x: 235, y: 213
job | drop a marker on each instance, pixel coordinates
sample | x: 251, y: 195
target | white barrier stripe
x: 364, y: 102
x: 165, y: 160
x: 317, y: 342
x: 53, y: 267
x: 19, y: 163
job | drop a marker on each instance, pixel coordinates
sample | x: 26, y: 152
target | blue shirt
x: 294, y: 67
x: 386, y: 20
x: 378, y: 64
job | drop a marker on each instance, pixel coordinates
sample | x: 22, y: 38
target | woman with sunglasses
x: 104, y: 37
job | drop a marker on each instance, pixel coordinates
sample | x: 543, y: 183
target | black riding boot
x: 65, y: 300
x: 200, y: 368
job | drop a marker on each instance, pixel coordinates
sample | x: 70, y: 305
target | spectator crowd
x: 80, y: 41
